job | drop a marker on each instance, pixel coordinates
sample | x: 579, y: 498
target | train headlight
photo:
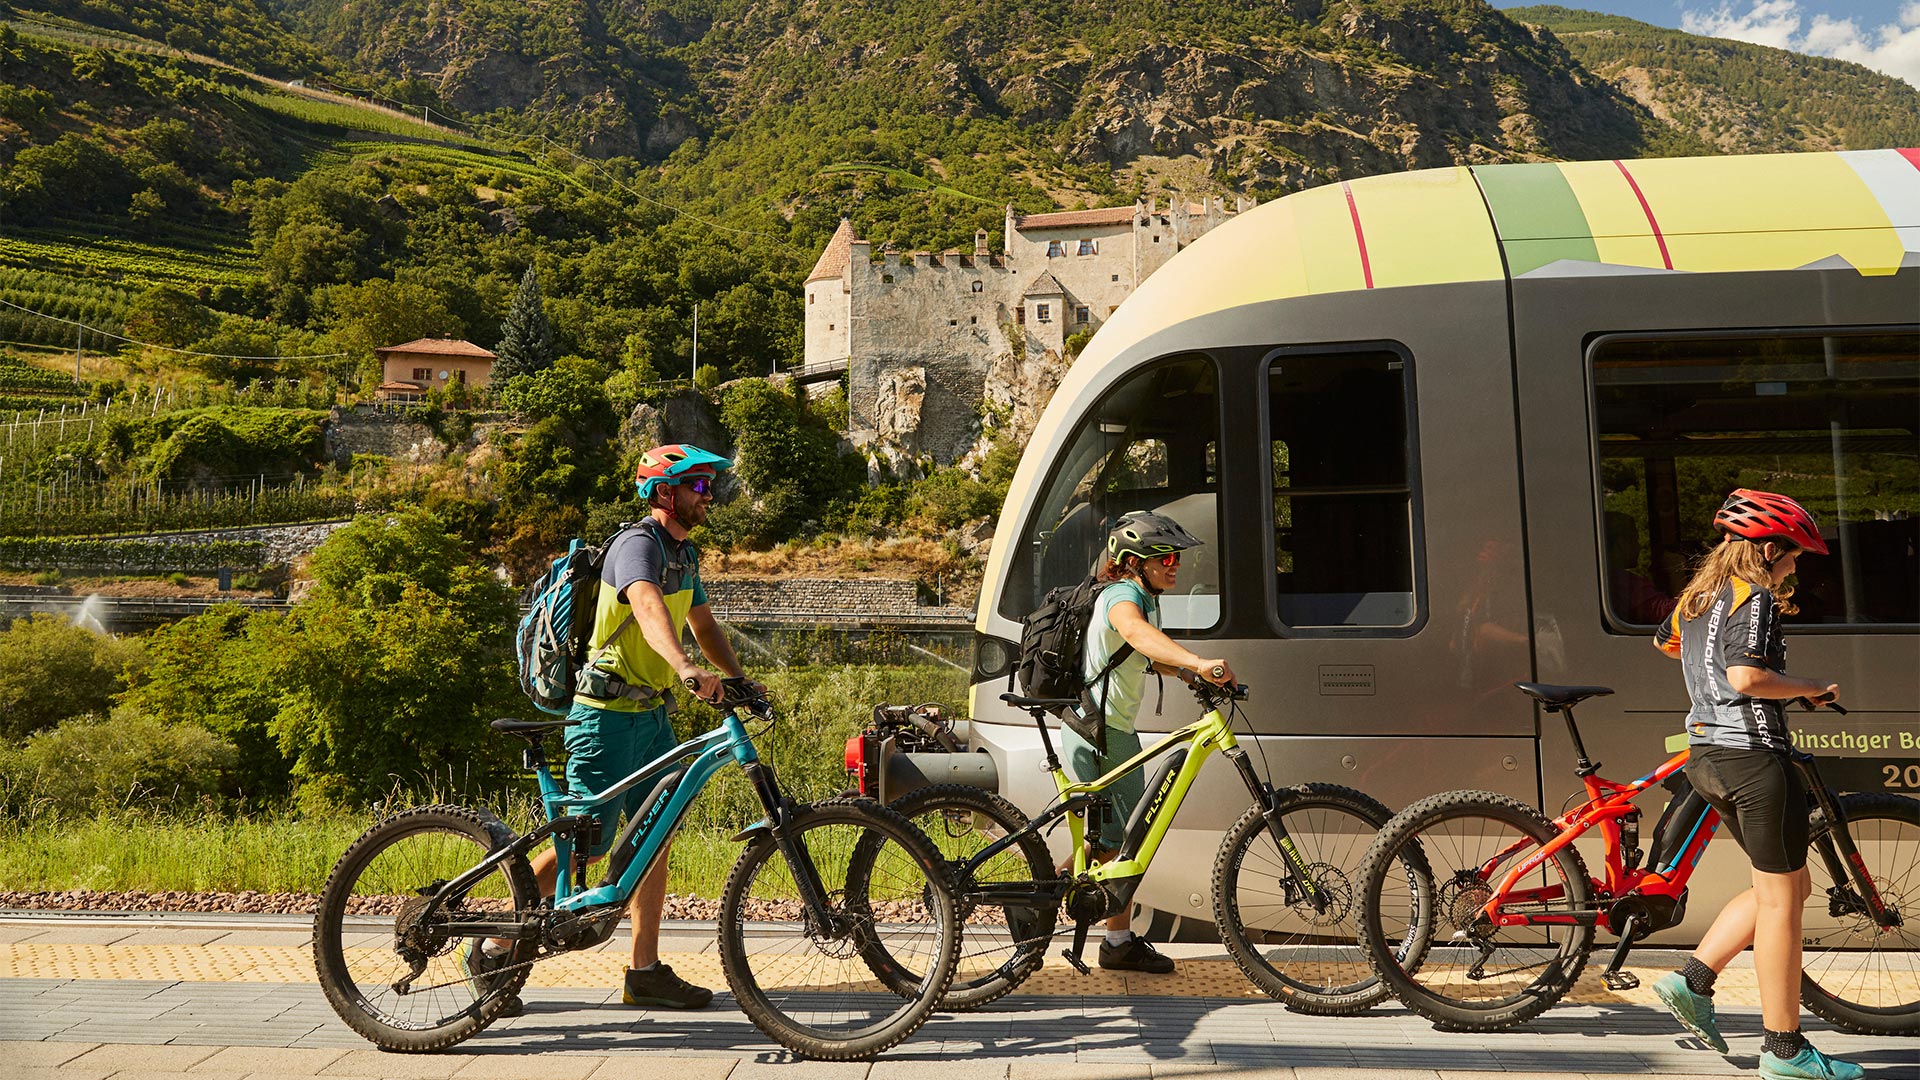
x: 992, y: 657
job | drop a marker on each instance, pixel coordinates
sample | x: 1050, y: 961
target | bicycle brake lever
x: 1810, y: 705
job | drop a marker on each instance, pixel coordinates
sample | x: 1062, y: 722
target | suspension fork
x: 1837, y: 849
x: 1268, y: 801
x: 806, y: 877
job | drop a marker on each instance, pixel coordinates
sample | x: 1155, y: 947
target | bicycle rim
x: 1306, y: 956
x: 1854, y: 973
x: 1463, y: 971
x: 374, y: 926
x: 812, y: 988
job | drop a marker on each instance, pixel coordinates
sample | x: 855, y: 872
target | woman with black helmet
x: 1726, y: 633
x: 1124, y: 642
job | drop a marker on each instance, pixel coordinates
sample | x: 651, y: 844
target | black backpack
x: 1053, y: 642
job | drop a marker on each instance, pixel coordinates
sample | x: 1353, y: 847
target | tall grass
x: 277, y: 850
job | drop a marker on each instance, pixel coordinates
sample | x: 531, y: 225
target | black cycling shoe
x: 1135, y: 955
x: 658, y: 985
x: 481, y: 967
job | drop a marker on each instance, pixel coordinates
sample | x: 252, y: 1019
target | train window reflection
x: 1342, y: 497
x: 1832, y: 420
x: 1148, y: 445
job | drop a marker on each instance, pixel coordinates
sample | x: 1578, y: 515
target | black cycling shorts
x: 1760, y: 799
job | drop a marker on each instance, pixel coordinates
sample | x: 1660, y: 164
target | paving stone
x: 274, y: 1059
x: 35, y: 1072
x: 83, y: 935
x: 1036, y: 1068
x: 785, y: 1068
x: 913, y: 1067
x: 142, y: 1074
x: 158, y: 1058
x: 657, y: 1067
x: 396, y: 1066
x: 520, y: 1065
x: 40, y: 1055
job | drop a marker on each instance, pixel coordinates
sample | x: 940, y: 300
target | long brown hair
x: 1734, y: 558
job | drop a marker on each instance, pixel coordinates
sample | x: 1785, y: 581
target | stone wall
x: 767, y: 596
x: 284, y: 543
x: 365, y: 429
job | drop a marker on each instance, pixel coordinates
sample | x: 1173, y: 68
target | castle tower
x: 829, y: 318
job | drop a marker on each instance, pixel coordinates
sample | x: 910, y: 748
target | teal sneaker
x: 1808, y: 1064
x: 482, y: 967
x: 1694, y: 1011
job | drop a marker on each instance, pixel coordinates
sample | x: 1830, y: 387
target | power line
x: 167, y: 348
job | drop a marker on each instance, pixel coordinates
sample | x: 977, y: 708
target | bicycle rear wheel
x: 1309, y: 959
x: 1004, y: 939
x: 809, y: 984
x: 1855, y: 975
x: 385, y: 962
x: 1424, y: 935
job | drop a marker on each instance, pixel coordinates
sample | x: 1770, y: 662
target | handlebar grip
x: 1219, y: 671
x: 1809, y: 705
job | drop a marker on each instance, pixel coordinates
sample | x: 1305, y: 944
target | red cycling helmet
x: 673, y: 463
x: 1760, y: 516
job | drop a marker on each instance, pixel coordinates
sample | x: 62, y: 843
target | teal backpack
x: 555, y: 639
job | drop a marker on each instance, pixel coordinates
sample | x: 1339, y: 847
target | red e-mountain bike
x: 1499, y: 923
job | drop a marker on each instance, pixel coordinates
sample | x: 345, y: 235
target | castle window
x: 829, y: 326
x: 1056, y: 248
x: 973, y: 320
x: 953, y: 322
x: 810, y: 295
x: 1116, y: 277
x: 1020, y: 315
x: 1156, y: 238
x: 1043, y: 312
x: 1081, y: 315
x: 979, y: 286
x: 1089, y: 247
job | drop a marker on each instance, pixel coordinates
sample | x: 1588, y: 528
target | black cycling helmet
x: 1147, y: 535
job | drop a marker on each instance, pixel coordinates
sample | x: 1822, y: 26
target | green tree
x: 526, y: 337
x: 51, y: 670
x: 216, y: 670
x: 395, y: 664
x: 165, y: 315
x: 88, y: 764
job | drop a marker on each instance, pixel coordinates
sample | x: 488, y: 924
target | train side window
x: 1343, y: 496
x: 1149, y: 444
x: 1830, y: 419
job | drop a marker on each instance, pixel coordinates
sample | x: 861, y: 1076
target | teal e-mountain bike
x: 799, y: 942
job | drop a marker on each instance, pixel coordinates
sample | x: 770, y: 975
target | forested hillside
x: 1740, y: 98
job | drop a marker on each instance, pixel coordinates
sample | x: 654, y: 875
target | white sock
x: 1117, y: 938
x: 488, y: 948
x: 649, y: 967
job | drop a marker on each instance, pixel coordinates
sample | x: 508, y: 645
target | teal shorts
x: 606, y: 747
x: 1084, y: 763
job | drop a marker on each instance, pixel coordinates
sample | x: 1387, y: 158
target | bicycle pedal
x: 1620, y: 980
x: 1079, y: 965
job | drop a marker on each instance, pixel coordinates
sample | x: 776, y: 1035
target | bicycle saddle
x: 1020, y: 702
x: 1556, y: 698
x: 507, y: 725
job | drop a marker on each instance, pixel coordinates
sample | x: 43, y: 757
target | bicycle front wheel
x: 1854, y: 974
x: 1425, y: 935
x: 806, y: 978
x: 1004, y: 934
x: 1305, y: 956
x: 386, y: 962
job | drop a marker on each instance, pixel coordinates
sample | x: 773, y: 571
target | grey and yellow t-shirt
x: 643, y: 553
x: 1124, y: 685
x: 1741, y: 628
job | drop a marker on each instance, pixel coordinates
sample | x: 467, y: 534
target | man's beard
x: 694, y: 514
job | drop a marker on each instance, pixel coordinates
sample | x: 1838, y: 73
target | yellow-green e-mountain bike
x: 1284, y: 881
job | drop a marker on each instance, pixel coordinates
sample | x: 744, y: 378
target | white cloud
x: 1892, y: 49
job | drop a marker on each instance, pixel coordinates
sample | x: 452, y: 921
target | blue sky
x: 1882, y: 34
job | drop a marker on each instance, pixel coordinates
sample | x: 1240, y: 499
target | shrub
x: 179, y: 580
x: 51, y: 671
x: 47, y: 577
x: 90, y: 764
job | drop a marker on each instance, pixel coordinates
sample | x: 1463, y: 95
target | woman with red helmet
x: 1726, y: 633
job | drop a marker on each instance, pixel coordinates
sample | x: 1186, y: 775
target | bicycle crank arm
x: 1072, y: 955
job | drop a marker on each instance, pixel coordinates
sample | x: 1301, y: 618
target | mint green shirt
x: 1126, y: 683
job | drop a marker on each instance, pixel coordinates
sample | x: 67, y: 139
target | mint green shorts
x: 606, y: 747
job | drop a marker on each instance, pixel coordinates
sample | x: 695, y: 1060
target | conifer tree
x: 526, y: 337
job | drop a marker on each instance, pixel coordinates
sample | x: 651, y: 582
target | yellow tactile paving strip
x: 292, y: 964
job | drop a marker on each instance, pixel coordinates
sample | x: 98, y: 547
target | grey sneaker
x: 1808, y: 1064
x: 482, y: 969
x: 1694, y: 1011
x: 660, y: 986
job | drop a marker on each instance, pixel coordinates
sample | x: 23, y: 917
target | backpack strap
x: 618, y: 687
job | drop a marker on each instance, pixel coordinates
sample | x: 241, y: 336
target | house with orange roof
x: 408, y: 372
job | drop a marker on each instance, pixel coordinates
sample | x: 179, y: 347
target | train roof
x: 1584, y: 218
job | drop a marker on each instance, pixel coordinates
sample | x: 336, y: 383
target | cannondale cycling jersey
x: 1741, y: 628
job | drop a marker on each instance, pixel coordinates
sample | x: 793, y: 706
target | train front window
x: 1832, y: 420
x: 1150, y: 444
x: 1342, y: 495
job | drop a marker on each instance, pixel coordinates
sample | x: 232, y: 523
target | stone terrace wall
x: 767, y: 596
x: 284, y: 543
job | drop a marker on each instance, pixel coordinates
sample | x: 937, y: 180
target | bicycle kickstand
x: 1614, y: 978
x: 1079, y: 946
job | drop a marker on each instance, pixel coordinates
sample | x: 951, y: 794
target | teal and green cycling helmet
x: 673, y: 464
